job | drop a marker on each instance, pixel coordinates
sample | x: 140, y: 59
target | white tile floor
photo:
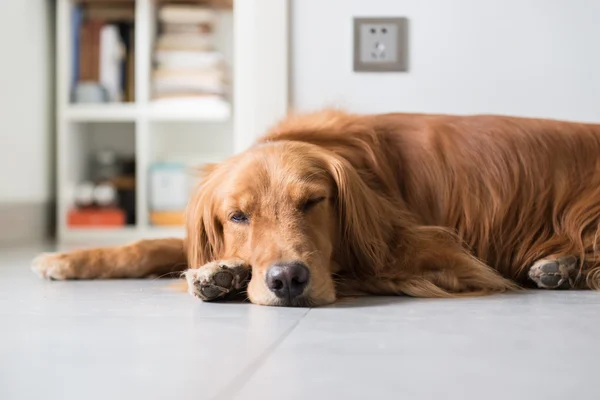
x: 140, y: 340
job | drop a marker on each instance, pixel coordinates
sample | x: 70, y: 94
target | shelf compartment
x: 97, y: 153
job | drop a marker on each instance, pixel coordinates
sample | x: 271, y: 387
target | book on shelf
x: 111, y: 61
x: 216, y: 4
x: 113, y: 13
x: 103, y: 51
x: 89, y: 51
x: 185, y: 41
x: 189, y: 71
x: 96, y: 218
x: 201, y: 28
x: 186, y: 14
x: 129, y: 75
x: 76, y: 21
x: 185, y: 60
x: 209, y: 81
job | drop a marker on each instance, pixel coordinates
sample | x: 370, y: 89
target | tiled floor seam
x: 241, y: 379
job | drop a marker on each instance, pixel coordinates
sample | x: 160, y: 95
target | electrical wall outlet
x: 381, y: 44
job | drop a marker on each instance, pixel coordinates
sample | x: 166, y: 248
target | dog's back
x: 515, y: 189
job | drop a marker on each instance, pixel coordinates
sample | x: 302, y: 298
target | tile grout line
x: 246, y: 374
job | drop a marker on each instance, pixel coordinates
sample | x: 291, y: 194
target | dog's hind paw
x: 218, y: 279
x: 556, y: 273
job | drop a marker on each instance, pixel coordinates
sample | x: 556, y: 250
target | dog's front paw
x: 54, y: 266
x: 217, y: 279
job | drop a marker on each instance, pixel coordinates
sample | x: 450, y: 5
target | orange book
x: 102, y: 217
x: 166, y: 218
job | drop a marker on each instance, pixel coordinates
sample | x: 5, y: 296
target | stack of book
x: 103, y: 52
x: 189, y: 70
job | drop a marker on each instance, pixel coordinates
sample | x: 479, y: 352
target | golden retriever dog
x: 332, y: 204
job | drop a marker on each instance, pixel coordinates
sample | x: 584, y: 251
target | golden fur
x: 423, y: 205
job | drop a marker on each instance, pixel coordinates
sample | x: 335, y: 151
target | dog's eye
x: 310, y: 203
x: 239, y: 217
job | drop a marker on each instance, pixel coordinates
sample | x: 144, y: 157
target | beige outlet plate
x: 381, y: 44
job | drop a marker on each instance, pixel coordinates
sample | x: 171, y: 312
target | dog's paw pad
x: 223, y: 279
x: 554, y: 274
x: 209, y: 292
x: 217, y: 279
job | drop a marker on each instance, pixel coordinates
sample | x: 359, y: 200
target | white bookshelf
x: 254, y: 40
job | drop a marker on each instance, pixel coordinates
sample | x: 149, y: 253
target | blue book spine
x: 76, y: 21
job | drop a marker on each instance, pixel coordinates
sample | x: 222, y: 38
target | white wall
x: 25, y: 101
x: 520, y: 57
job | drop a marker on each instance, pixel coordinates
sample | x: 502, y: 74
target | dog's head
x: 296, y: 212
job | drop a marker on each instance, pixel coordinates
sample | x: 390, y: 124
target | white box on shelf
x: 168, y: 187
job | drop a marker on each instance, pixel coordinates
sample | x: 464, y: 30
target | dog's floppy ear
x: 204, y: 231
x: 366, y: 218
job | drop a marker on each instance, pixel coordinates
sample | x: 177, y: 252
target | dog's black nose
x: 287, y: 280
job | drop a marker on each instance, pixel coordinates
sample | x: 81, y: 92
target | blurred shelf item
x: 114, y: 236
x: 167, y: 218
x: 209, y: 109
x: 97, y: 218
x: 102, y: 112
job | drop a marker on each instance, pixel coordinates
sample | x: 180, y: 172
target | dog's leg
x: 556, y: 273
x: 218, y: 279
x: 450, y: 274
x: 145, y: 258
